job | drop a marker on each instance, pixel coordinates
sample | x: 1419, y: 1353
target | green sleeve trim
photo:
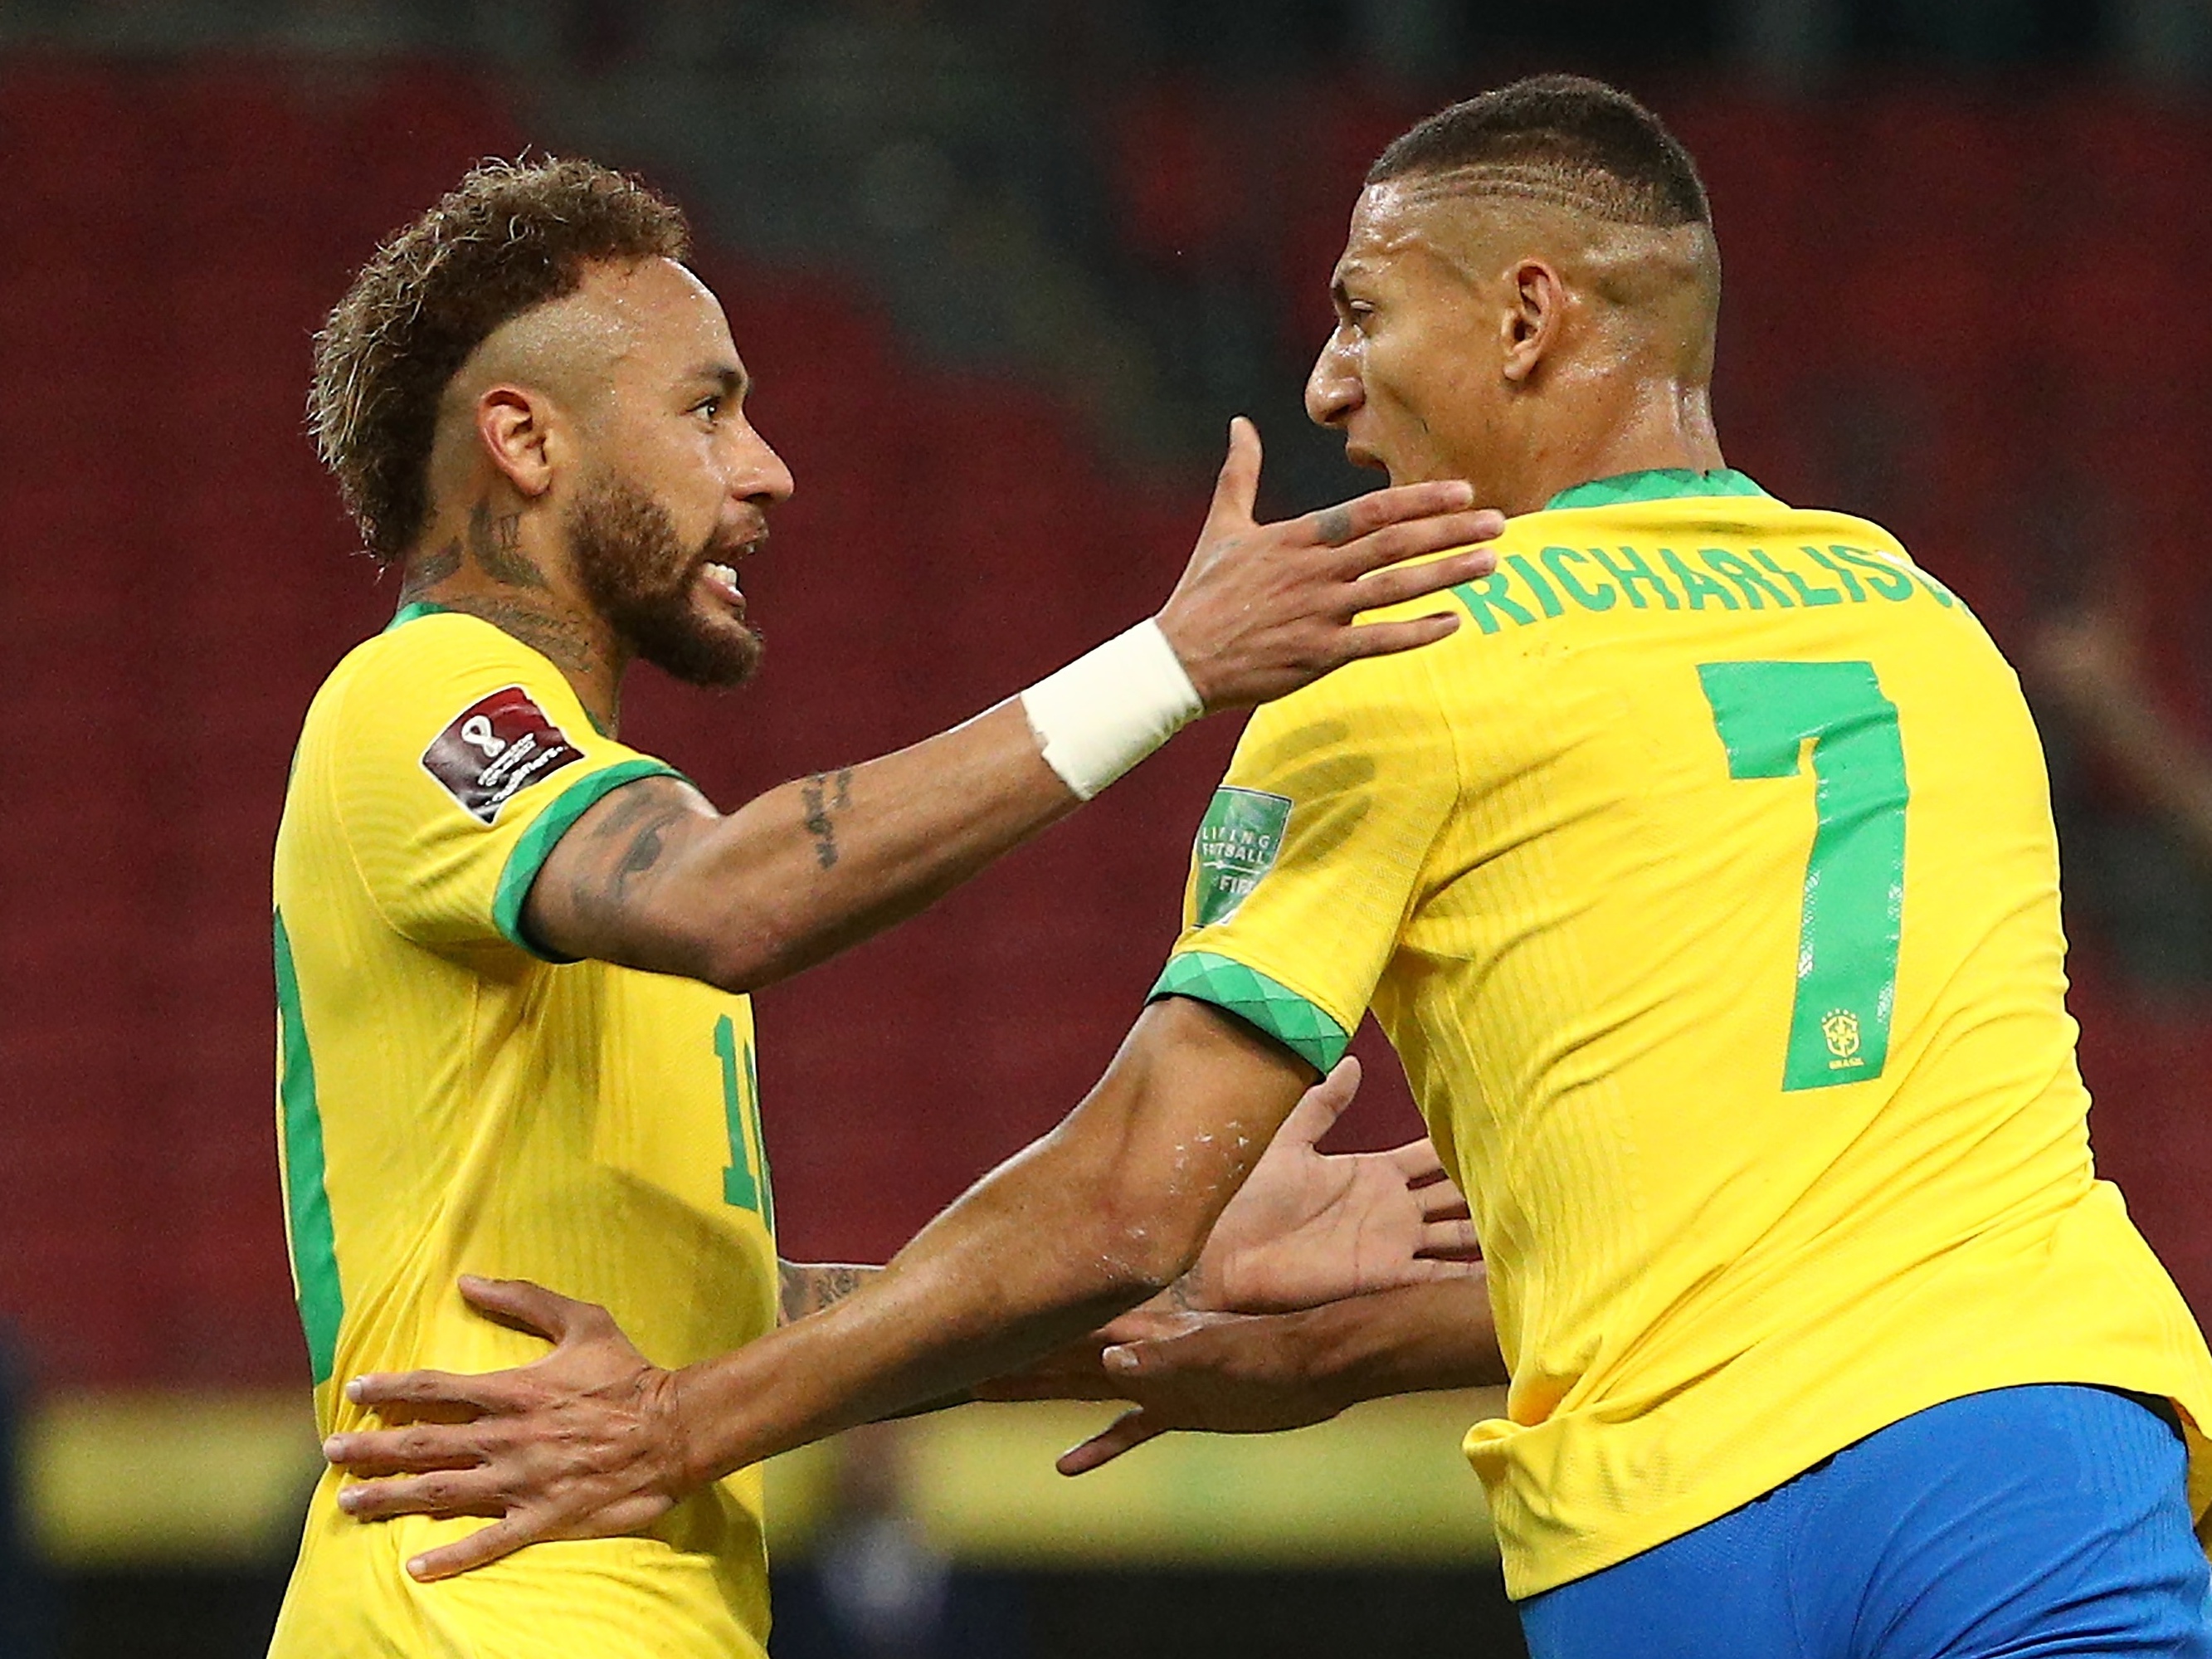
x: 307, y: 1200
x: 1309, y: 1032
x: 545, y: 834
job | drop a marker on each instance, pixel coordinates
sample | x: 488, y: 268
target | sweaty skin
x: 635, y: 380
x: 1519, y: 344
x: 1523, y: 347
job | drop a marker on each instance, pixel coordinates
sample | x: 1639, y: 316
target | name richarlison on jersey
x: 1529, y: 588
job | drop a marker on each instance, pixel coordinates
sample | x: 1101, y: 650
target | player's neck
x: 1655, y: 426
x: 478, y: 561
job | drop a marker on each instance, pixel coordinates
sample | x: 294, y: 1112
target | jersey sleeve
x: 1311, y: 858
x: 461, y: 759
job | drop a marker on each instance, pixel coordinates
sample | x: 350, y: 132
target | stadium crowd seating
x: 176, y: 580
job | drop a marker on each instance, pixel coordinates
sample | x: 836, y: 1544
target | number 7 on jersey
x: 1768, y: 713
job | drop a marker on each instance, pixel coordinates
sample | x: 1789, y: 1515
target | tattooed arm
x: 653, y: 878
x: 809, y: 1286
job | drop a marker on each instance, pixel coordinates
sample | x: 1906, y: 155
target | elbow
x: 737, y: 971
x: 741, y: 953
x: 1143, y: 1242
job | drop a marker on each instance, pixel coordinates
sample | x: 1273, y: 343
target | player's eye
x: 711, y: 407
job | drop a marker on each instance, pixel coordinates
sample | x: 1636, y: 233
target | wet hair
x: 1560, y: 138
x: 511, y: 237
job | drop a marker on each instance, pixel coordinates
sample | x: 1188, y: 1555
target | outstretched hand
x: 583, y: 1444
x: 1307, y: 1228
x: 1262, y: 610
x: 1222, y: 1373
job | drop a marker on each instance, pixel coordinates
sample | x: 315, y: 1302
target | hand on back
x: 1263, y: 609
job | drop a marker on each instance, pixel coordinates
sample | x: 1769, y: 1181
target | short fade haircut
x: 1560, y: 138
x: 511, y: 237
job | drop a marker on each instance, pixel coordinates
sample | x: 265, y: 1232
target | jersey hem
x: 537, y: 843
x: 1531, y: 1569
x: 1308, y: 1030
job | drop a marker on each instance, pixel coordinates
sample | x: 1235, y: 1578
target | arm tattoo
x: 496, y: 546
x: 629, y: 844
x: 427, y: 572
x: 809, y: 1286
x: 821, y: 794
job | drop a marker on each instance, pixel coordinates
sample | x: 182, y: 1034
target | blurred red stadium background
x: 1941, y: 276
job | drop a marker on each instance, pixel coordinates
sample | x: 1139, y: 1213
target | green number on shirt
x: 744, y: 1183
x: 1767, y: 712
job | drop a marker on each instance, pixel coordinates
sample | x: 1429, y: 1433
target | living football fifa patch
x: 1238, y: 841
x: 496, y: 748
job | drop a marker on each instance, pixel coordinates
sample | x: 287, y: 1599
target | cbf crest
x: 1840, y: 1026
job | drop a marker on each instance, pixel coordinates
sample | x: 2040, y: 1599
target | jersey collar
x: 1664, y: 484
x: 407, y: 613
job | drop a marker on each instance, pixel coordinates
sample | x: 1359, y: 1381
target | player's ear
x: 514, y: 427
x: 1536, y: 305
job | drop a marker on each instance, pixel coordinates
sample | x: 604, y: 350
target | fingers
x: 415, y: 1450
x: 1237, y: 489
x: 532, y: 1307
x: 1387, y: 639
x: 1449, y: 1238
x: 1419, y: 579
x: 1417, y: 1161
x: 1441, y: 1202
x: 1399, y: 542
x: 486, y: 1544
x: 1402, y: 581
x: 1146, y: 1324
x: 442, y: 1496
x: 1350, y: 521
x: 446, y: 1388
x: 1317, y: 1111
x: 1131, y: 1430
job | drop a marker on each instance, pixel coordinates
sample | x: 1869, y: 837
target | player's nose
x: 1333, y: 389
x: 759, y: 474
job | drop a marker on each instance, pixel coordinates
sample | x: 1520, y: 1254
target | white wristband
x: 1110, y: 708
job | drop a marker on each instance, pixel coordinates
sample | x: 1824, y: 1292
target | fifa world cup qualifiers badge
x: 1238, y: 843
x: 494, y: 749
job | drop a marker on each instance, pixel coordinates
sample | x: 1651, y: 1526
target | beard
x: 642, y: 578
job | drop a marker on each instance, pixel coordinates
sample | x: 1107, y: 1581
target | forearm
x: 978, y: 1293
x: 807, y: 1287
x: 1411, y: 1341
x: 1081, y: 1226
x: 810, y: 868
x: 653, y: 878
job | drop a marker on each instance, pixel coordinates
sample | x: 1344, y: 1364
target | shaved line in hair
x: 1586, y: 191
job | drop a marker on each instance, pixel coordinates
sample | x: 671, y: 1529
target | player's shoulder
x: 1368, y: 699
x: 426, y: 658
x: 439, y: 691
x: 429, y: 641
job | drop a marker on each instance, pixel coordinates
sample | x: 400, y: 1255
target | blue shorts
x: 2044, y: 1521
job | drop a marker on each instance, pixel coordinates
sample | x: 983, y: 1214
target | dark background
x: 1001, y: 272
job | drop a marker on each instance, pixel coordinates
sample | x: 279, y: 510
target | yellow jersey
x: 451, y: 1100
x: 1704, y: 882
